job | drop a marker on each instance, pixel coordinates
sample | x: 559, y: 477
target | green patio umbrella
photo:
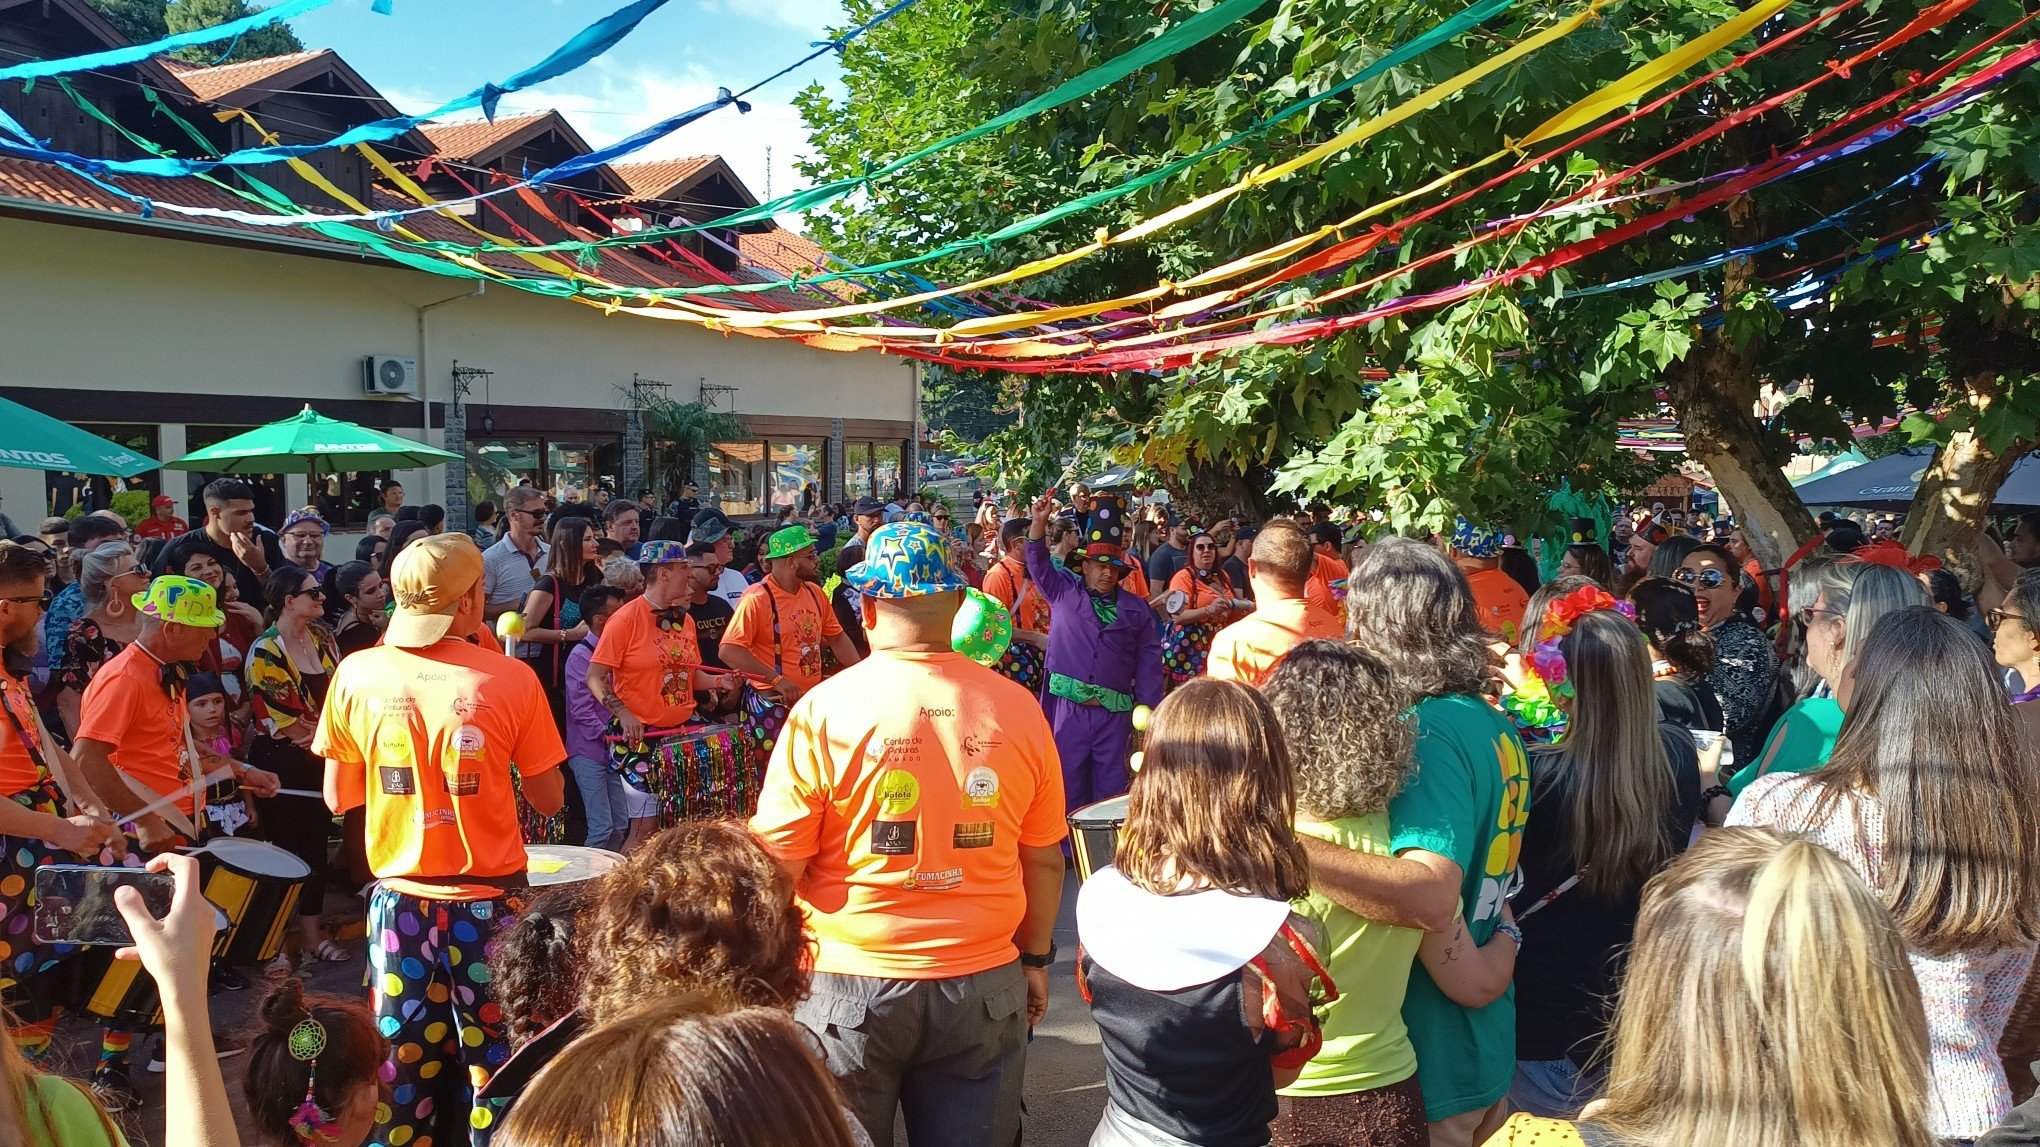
x: 312, y: 443
x: 32, y: 440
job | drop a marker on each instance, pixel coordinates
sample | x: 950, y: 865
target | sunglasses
x: 1808, y: 612
x: 42, y: 599
x: 315, y: 591
x: 1705, y: 579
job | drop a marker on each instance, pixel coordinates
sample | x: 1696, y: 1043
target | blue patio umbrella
x: 1888, y: 483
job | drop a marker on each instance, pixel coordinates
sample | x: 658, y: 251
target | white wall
x: 89, y: 309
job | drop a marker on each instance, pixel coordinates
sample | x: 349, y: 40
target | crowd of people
x: 1415, y: 842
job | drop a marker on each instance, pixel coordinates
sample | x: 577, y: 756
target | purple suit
x: 1125, y: 656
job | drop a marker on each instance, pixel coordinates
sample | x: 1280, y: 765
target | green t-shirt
x: 1467, y: 799
x: 1801, y: 742
x: 1366, y: 1045
x: 60, y: 1115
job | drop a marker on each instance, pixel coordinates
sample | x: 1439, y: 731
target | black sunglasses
x: 43, y: 599
x: 315, y: 591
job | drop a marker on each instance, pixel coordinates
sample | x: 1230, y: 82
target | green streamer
x: 1461, y: 22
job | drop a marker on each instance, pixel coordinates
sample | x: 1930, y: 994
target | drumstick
x: 307, y: 793
x: 217, y: 775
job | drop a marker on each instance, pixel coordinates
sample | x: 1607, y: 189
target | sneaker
x: 228, y: 979
x: 113, y: 1089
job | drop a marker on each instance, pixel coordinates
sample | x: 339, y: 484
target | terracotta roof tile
x: 653, y: 179
x: 217, y: 83
x: 464, y: 141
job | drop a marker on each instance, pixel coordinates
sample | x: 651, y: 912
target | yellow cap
x: 428, y: 580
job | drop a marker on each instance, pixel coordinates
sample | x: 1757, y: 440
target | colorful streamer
x: 136, y: 53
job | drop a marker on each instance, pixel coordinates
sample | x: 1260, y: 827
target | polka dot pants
x: 429, y: 977
x: 24, y: 963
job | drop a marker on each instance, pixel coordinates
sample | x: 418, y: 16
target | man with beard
x: 778, y: 631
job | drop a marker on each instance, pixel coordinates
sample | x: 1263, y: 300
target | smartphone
x: 74, y: 902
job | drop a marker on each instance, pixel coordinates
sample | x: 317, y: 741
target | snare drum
x: 257, y: 885
x: 1094, y: 830
x: 549, y: 864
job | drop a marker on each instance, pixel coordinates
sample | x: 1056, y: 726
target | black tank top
x: 1184, y: 1061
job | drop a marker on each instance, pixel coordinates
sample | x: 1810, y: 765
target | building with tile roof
x: 218, y: 325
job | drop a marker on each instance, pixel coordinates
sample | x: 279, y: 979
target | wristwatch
x: 1030, y: 960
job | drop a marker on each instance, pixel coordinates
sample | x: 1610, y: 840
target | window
x: 736, y: 477
x: 797, y: 474
x: 495, y: 465
x: 857, y: 471
x: 62, y: 491
x: 885, y: 458
x: 270, y: 495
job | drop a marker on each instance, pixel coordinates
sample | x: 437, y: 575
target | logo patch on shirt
x: 981, y: 788
x: 943, y: 881
x: 974, y: 835
x: 892, y: 837
x: 898, y: 793
x: 469, y: 741
x: 397, y: 781
x: 463, y: 784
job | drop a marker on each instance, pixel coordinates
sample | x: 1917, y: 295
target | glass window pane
x: 497, y: 464
x: 797, y: 474
x: 856, y: 470
x: 269, y: 489
x: 95, y: 492
x: 886, y: 469
x: 736, y: 473
x: 569, y: 464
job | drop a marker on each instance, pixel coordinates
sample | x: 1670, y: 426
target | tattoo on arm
x: 1453, y: 945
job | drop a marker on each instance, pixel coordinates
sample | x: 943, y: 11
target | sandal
x: 329, y: 953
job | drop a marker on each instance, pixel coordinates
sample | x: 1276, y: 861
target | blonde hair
x: 21, y: 1106
x: 1795, y: 1016
x: 1213, y: 805
x: 1612, y: 764
x: 1351, y: 741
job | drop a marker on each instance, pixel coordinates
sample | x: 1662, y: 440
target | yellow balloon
x: 1141, y: 713
x: 510, y: 625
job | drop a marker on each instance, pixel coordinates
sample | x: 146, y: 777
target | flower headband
x: 307, y: 1041
x: 1534, y: 704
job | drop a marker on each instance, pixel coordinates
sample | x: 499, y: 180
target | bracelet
x: 1505, y: 928
x: 1707, y: 795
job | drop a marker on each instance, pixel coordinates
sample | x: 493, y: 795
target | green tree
x: 192, y: 15
x: 679, y: 433
x: 140, y: 21
x: 971, y: 405
x: 1477, y: 406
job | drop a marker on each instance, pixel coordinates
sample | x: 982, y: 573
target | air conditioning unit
x: 386, y: 375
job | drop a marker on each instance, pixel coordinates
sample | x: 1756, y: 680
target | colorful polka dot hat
x: 983, y: 629
x: 1481, y: 541
x: 788, y: 542
x: 1105, y: 530
x: 181, y: 600
x: 904, y: 559
x: 1583, y: 531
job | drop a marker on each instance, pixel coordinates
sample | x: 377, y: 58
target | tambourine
x: 1174, y: 603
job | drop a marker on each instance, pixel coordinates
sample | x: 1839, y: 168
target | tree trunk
x: 1213, y: 492
x: 1952, y: 505
x: 1714, y: 389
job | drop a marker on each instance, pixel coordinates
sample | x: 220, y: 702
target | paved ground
x: 1065, y: 1074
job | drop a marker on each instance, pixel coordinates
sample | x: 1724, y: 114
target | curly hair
x: 1407, y: 604
x: 534, y: 961
x: 701, y: 907
x: 1350, y: 742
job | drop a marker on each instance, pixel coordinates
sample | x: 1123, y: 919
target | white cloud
x: 809, y: 15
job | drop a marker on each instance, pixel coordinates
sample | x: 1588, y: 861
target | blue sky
x: 429, y: 50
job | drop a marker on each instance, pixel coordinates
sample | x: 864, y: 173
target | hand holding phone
x: 175, y: 946
x: 76, y: 903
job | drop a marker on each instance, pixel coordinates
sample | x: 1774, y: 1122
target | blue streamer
x: 1790, y: 239
x: 135, y: 53
x: 586, y: 45
x: 591, y: 42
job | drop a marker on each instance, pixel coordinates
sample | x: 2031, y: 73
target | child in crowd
x: 602, y: 795
x: 205, y: 703
x: 314, y: 1073
x: 1199, y: 976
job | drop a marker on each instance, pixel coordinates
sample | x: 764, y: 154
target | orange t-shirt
x: 1197, y: 593
x: 645, y: 660
x: 1007, y: 581
x: 127, y: 707
x: 1134, y: 580
x: 1324, y: 570
x: 1249, y: 649
x: 908, y: 783
x: 801, y: 621
x: 425, y: 738
x: 1499, y: 601
x: 18, y: 770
